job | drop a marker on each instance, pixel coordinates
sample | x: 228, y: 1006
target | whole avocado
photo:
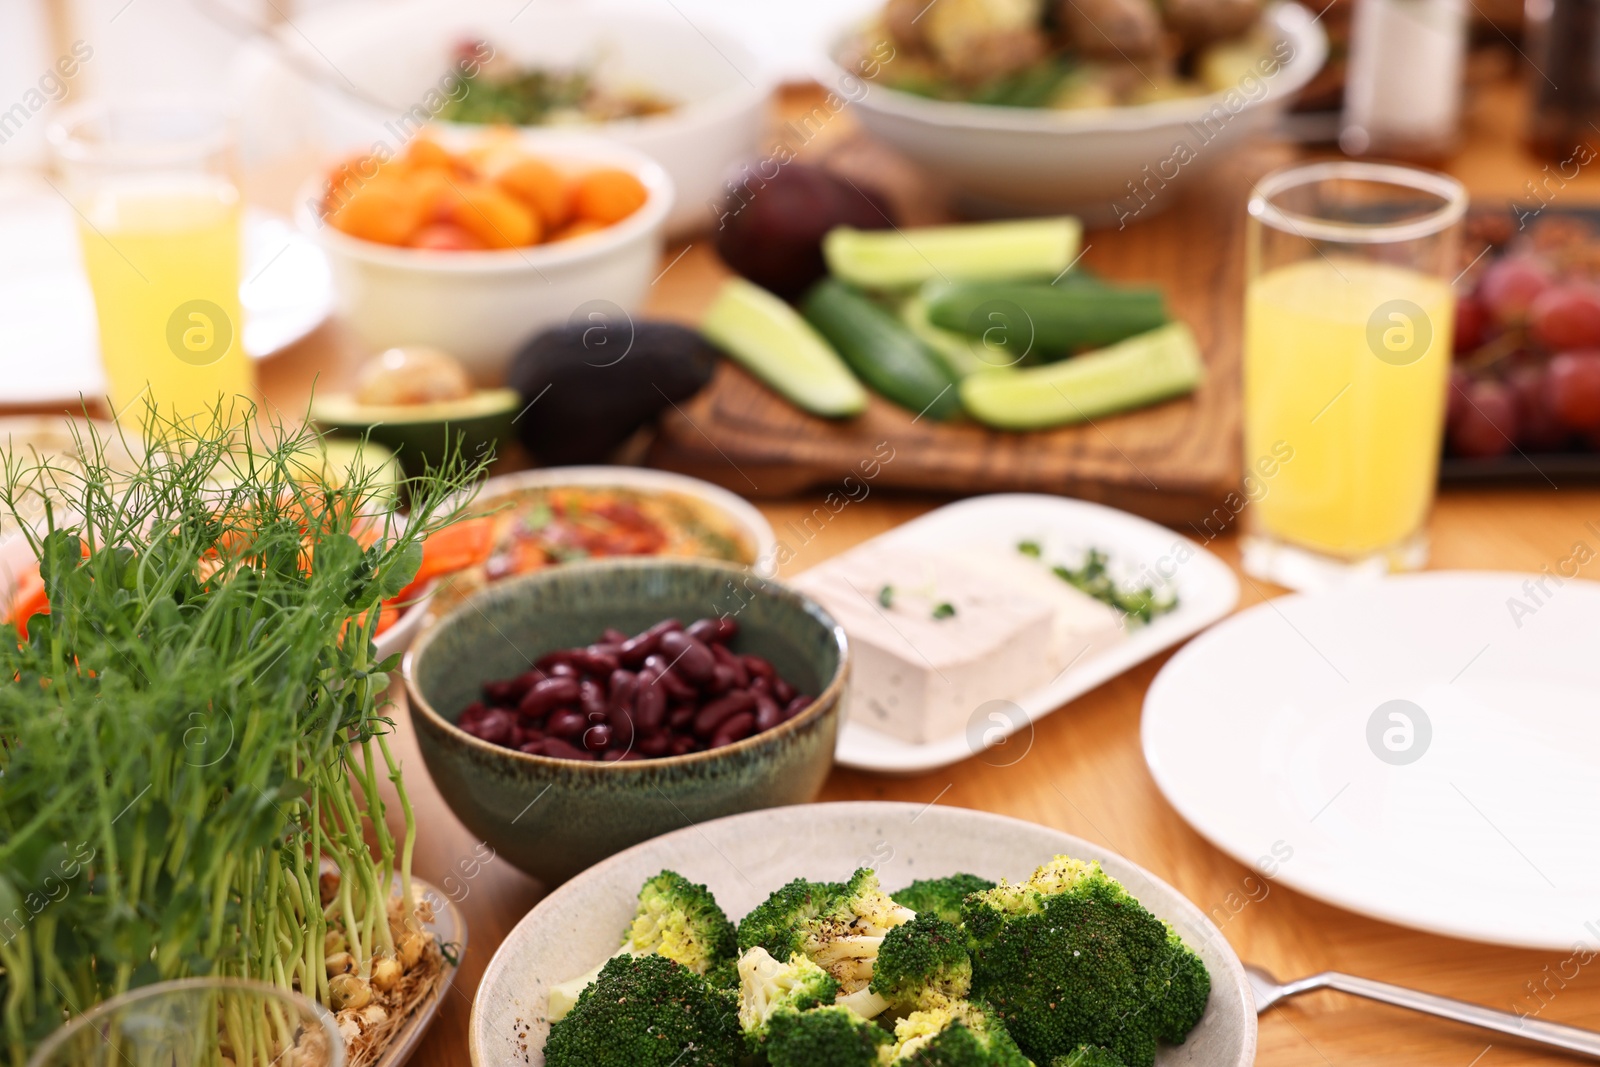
x: 588, y: 388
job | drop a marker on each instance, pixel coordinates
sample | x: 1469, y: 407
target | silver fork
x: 1269, y: 991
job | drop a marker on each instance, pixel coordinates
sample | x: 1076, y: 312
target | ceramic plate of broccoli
x: 1016, y: 946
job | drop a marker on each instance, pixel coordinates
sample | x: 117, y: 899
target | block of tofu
x: 919, y: 671
x: 1083, y: 626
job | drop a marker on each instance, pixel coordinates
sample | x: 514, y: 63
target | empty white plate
x: 1139, y: 550
x: 1424, y: 750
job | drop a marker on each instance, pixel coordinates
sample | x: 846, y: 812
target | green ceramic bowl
x: 553, y: 818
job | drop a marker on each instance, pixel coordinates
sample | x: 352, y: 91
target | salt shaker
x: 1403, y: 90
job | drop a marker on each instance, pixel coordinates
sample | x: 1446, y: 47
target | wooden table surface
x: 1085, y: 774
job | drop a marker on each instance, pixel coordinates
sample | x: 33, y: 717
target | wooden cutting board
x: 1175, y: 462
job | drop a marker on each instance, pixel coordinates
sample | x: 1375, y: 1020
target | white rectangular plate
x: 1065, y: 528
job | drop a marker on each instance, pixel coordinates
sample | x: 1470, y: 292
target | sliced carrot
x: 608, y: 196
x: 455, y: 548
x: 29, y: 598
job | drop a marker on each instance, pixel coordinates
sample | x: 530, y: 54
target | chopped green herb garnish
x: 1030, y: 548
x: 886, y: 596
x: 944, y: 610
x: 1143, y: 603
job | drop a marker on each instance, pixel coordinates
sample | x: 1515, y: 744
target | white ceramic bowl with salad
x: 1037, y: 160
x: 712, y: 86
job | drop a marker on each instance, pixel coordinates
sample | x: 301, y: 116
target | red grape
x: 1540, y: 430
x: 1488, y: 422
x: 1511, y: 285
x: 1455, y: 396
x: 1572, y: 389
x: 1472, y: 324
x: 1566, y: 316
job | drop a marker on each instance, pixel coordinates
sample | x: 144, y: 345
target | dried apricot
x: 385, y: 210
x: 541, y: 186
x: 608, y: 196
x: 577, y: 228
x: 495, y: 217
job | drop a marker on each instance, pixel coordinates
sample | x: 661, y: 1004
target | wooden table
x: 1085, y: 774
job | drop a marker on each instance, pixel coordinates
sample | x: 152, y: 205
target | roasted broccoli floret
x: 675, y: 918
x: 647, y: 1011
x: 1070, y: 958
x: 768, y: 986
x: 1087, y: 1056
x: 957, y: 1034
x: 922, y: 964
x: 833, y: 1036
x: 839, y: 926
x: 942, y: 896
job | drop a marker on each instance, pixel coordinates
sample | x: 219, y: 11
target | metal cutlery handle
x: 1571, y: 1038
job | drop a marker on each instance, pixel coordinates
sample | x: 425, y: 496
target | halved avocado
x: 422, y: 435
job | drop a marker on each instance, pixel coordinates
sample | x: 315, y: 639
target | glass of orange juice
x: 1347, y: 347
x: 152, y: 182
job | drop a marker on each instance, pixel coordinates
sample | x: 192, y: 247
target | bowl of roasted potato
x: 1101, y: 108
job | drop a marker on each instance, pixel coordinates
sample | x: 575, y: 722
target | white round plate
x: 738, y: 511
x: 743, y: 858
x: 1065, y: 528
x: 47, y: 320
x: 1471, y: 811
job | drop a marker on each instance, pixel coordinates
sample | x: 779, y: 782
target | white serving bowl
x: 480, y: 306
x: 1016, y: 160
x: 395, y: 54
x: 742, y: 858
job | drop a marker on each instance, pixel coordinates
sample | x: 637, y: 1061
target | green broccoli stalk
x: 1069, y: 958
x: 675, y: 918
x: 956, y: 1034
x: 832, y: 1036
x: 942, y: 896
x: 838, y: 926
x: 767, y: 986
x: 647, y: 1011
x: 922, y: 964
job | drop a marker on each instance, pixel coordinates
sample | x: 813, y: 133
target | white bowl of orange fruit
x: 475, y: 244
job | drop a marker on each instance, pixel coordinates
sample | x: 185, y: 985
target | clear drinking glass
x: 158, y: 209
x: 198, y: 1022
x: 1348, y: 320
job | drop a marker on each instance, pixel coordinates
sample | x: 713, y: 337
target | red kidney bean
x: 655, y: 745
x: 532, y: 748
x: 592, y: 698
x: 689, y: 656
x: 719, y: 630
x: 590, y: 661
x: 636, y: 648
x: 621, y: 723
x: 496, y: 726
x: 471, y: 713
x: 550, y: 659
x: 796, y: 706
x: 548, y: 694
x: 768, y: 714
x: 735, y: 663
x: 735, y: 729
x: 597, y: 738
x: 559, y: 749
x: 782, y: 690
x: 680, y: 717
x: 613, y: 636
x: 718, y: 711
x: 722, y: 679
x: 562, y: 670
x: 526, y: 734
x: 617, y: 755
x: 670, y: 680
x: 682, y: 746
x: 565, y: 723
x: 758, y: 667
x: 621, y: 687
x: 649, y: 703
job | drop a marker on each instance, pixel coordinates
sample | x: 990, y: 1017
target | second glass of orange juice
x: 1348, y: 319
x: 159, y: 219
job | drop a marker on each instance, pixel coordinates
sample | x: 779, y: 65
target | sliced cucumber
x: 901, y: 259
x: 1055, y: 318
x: 880, y: 349
x: 961, y: 355
x: 1139, y: 371
x: 766, y: 337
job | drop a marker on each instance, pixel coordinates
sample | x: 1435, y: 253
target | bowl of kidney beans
x: 666, y: 691
x: 567, y: 714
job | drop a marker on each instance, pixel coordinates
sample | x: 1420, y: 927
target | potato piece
x: 982, y: 40
x: 494, y: 216
x: 540, y: 186
x: 385, y: 210
x: 608, y: 196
